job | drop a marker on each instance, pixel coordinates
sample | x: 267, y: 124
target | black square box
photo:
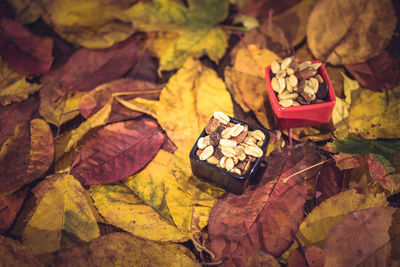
x: 229, y: 181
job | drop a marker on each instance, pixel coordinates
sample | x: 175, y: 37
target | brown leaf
x: 266, y: 216
x: 26, y: 155
x: 311, y: 256
x: 124, y: 249
x: 343, y: 32
x: 9, y: 207
x: 377, y: 234
x: 13, y: 253
x: 94, y: 100
x: 260, y: 8
x: 377, y: 73
x: 23, y: 50
x: 329, y: 182
x: 117, y: 151
x: 13, y: 115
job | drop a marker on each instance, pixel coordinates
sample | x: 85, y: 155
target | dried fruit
x: 212, y: 125
x: 214, y: 139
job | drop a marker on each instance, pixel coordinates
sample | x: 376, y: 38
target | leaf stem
x: 138, y: 92
x: 200, y: 247
x: 284, y: 180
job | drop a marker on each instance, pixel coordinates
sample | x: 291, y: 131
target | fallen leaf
x: 246, y: 80
x: 23, y: 50
x: 372, y: 117
x: 69, y: 140
x: 189, y: 100
x: 9, y: 207
x: 91, y: 24
x: 117, y: 151
x: 260, y: 208
x: 342, y: 32
x: 119, y: 205
x: 377, y: 235
x: 329, y: 182
x: 123, y: 249
x: 311, y: 256
x: 195, y: 24
x: 382, y: 170
x: 26, y: 11
x: 15, y: 114
x: 260, y: 8
x: 62, y: 217
x: 259, y: 259
x: 127, y: 88
x: 316, y: 133
x: 26, y: 155
x: 145, y: 69
x: 13, y: 253
x: 376, y: 73
x: 293, y: 21
x: 13, y: 86
x: 315, y: 228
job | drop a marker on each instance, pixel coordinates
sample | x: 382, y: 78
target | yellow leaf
x: 316, y: 226
x: 123, y: 249
x: 246, y: 80
x: 62, y: 217
x: 372, y: 117
x: 91, y: 23
x: 13, y: 86
x: 13, y: 253
x: 365, y: 29
x: 65, y: 143
x: 195, y: 25
x: 146, y: 106
x: 122, y: 208
x: 189, y: 100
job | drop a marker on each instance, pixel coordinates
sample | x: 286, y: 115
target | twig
x: 284, y: 180
x: 200, y: 247
x: 248, y: 234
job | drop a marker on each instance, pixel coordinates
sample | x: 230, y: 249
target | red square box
x: 303, y: 115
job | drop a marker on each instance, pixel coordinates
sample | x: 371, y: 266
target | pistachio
x: 221, y: 117
x: 207, y: 152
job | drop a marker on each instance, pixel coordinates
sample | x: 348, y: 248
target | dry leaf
x: 13, y: 253
x: 377, y: 73
x: 26, y: 155
x: 123, y: 249
x: 117, y: 151
x: 23, y: 50
x: 343, y: 32
x: 9, y: 207
x: 62, y: 217
x: 311, y: 256
x: 260, y: 259
x: 195, y: 25
x: 316, y: 226
x: 367, y: 237
x: 13, y: 85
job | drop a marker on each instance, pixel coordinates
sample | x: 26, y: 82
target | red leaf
x: 383, y: 171
x: 13, y: 115
x: 311, y: 256
x: 117, y: 151
x: 329, y: 182
x: 9, y: 207
x: 93, y: 101
x: 23, y: 50
x: 28, y: 155
x: 88, y: 68
x: 376, y: 73
x: 271, y: 211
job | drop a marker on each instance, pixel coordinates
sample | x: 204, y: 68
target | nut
x: 221, y: 117
x: 226, y: 133
x: 260, y: 143
x: 281, y: 82
x: 212, y: 125
x: 227, y: 143
x: 290, y: 71
x: 229, y: 164
x: 285, y: 63
x: 293, y: 80
x: 236, y: 171
x: 207, y: 152
x: 240, y: 138
x: 313, y: 83
x: 254, y: 151
x: 275, y: 66
x: 228, y: 151
x: 292, y: 96
x: 250, y: 140
x: 202, y: 142
x: 213, y: 160
x: 236, y: 130
x: 257, y: 134
x: 222, y: 162
x: 286, y: 103
x: 275, y: 84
